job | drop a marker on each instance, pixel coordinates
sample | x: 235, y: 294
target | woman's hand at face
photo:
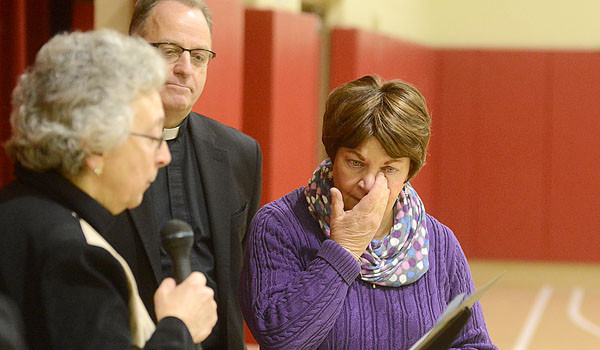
x: 191, y: 301
x: 354, y: 229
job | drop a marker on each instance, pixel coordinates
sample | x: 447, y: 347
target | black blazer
x: 71, y: 295
x: 230, y: 170
x: 11, y: 325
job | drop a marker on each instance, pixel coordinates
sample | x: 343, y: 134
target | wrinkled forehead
x: 174, y: 22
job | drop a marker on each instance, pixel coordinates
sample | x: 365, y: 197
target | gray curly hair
x: 77, y: 98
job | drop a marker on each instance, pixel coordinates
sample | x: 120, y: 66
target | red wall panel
x: 222, y: 97
x: 491, y: 165
x: 344, y: 55
x: 509, y: 123
x: 512, y: 166
x: 455, y: 130
x: 575, y: 182
x: 355, y: 53
x: 280, y: 100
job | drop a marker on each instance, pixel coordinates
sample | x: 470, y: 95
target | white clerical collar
x: 170, y: 134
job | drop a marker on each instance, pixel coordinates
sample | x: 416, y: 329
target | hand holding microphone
x: 190, y: 300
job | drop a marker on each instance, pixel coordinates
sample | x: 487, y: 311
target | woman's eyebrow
x: 356, y: 153
x: 393, y: 160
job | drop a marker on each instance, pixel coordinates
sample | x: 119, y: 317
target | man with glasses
x: 214, y: 178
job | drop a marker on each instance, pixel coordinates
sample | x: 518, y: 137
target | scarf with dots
x: 401, y: 257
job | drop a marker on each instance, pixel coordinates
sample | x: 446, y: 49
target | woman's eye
x: 390, y: 170
x: 355, y: 163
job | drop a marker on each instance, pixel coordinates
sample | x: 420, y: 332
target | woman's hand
x: 191, y: 301
x: 354, y: 229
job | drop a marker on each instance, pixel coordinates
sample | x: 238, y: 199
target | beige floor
x: 539, y: 306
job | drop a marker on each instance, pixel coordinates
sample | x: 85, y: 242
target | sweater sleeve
x: 84, y: 296
x: 474, y: 334
x: 170, y: 333
x: 291, y: 297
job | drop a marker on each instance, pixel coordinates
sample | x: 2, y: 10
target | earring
x: 98, y: 171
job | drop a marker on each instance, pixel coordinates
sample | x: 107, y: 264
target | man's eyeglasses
x: 158, y: 140
x: 171, y: 52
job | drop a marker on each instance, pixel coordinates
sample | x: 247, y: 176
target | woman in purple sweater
x: 352, y: 260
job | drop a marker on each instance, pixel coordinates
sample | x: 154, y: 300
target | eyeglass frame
x: 213, y: 54
x: 160, y: 139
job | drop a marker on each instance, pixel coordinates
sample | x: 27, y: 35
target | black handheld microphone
x: 177, y: 238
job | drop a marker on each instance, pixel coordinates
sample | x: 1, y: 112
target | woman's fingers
x: 376, y: 200
x: 354, y: 229
x: 337, y: 203
x: 382, y: 198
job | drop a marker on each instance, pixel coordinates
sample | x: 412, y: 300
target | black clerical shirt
x: 178, y: 194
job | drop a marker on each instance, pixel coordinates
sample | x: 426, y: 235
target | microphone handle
x: 181, y: 268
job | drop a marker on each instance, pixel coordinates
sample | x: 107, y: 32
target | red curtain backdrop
x: 12, y: 31
x: 25, y: 25
x: 23, y: 29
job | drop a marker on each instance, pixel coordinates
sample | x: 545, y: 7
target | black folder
x: 451, y: 322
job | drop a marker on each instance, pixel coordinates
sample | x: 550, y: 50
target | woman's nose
x: 367, y: 181
x: 163, y: 156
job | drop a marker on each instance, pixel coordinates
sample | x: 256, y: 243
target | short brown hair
x: 143, y: 9
x: 393, y: 112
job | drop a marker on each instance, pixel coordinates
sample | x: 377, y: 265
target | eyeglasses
x: 172, y: 52
x: 158, y: 140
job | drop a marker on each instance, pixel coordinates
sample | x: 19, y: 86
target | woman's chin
x: 134, y: 203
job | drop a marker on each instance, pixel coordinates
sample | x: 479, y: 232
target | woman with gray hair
x: 87, y: 142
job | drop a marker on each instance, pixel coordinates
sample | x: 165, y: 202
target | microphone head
x: 177, y: 238
x: 176, y: 233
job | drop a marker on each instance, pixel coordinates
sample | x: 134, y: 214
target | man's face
x: 176, y: 23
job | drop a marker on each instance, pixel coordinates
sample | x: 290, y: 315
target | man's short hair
x: 143, y: 9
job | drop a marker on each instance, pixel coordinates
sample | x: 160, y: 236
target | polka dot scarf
x: 398, y: 259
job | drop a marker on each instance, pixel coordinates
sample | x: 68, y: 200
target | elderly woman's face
x: 354, y: 172
x: 131, y: 167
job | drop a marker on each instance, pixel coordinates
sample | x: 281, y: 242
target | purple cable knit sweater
x: 302, y: 291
